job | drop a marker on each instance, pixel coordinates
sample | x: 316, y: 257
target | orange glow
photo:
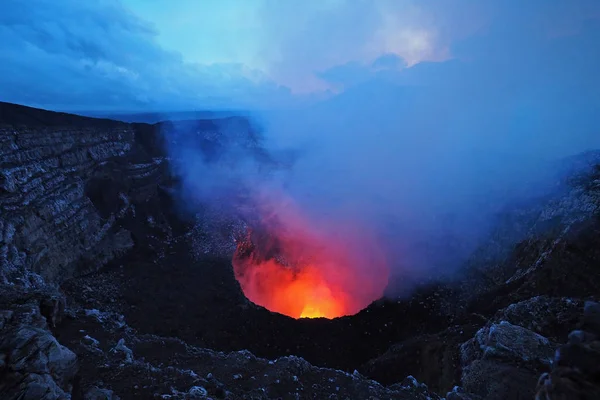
x: 294, y: 267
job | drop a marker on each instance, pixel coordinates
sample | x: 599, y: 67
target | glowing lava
x: 289, y: 268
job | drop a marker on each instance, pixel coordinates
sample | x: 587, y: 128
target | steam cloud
x: 425, y: 156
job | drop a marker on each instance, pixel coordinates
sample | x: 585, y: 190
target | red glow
x: 307, y: 270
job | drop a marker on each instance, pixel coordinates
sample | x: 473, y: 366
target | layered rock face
x: 59, y: 175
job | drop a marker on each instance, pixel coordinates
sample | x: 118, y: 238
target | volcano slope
x: 108, y: 292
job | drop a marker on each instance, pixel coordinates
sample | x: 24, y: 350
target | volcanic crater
x: 136, y: 297
x: 170, y: 291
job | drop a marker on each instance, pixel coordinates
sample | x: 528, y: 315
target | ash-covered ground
x: 108, y: 292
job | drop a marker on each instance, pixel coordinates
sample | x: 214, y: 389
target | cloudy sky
x: 148, y: 54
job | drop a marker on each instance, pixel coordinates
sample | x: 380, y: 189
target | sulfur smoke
x: 421, y: 158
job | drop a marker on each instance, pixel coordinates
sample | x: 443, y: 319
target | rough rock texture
x: 77, y: 192
x: 547, y: 246
x: 64, y: 185
x: 500, y: 352
x: 33, y: 365
x: 146, y: 366
x: 505, y: 358
x: 576, y: 366
x: 433, y: 358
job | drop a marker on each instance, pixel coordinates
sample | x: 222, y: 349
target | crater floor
x: 169, y: 293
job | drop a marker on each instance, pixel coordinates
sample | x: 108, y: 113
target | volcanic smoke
x: 293, y: 265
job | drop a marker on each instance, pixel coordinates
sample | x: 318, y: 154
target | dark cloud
x: 97, y: 54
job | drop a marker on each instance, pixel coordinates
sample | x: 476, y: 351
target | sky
x: 156, y: 54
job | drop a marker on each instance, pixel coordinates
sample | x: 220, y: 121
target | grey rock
x: 579, y: 337
x: 575, y: 370
x: 67, y: 197
x: 509, y: 343
x: 126, y: 351
x: 566, y: 384
x: 492, y: 380
x: 177, y: 370
x: 34, y: 364
x: 48, y: 218
x: 458, y: 393
x: 53, y: 308
x: 591, y: 316
x: 34, y: 350
x: 197, y: 392
x: 5, y: 317
x: 552, y: 317
x: 35, y: 387
x: 503, y: 360
x: 96, y: 393
x: 432, y: 358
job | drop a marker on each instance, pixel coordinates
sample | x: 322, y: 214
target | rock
x: 585, y: 357
x: 33, y: 387
x: 433, y: 358
x: 77, y: 192
x: 503, y: 360
x: 34, y: 364
x: 514, y: 343
x: 543, y: 246
x: 36, y: 350
x: 197, y: 392
x: 492, y: 380
x: 552, y: 317
x: 591, y: 316
x: 578, y: 337
x: 96, y: 393
x: 5, y: 317
x: 576, y: 366
x: 458, y: 393
x: 49, y: 222
x: 566, y: 384
x: 170, y: 367
x: 53, y: 308
x: 126, y: 351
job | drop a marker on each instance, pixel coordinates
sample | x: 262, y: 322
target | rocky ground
x: 125, y: 299
x: 101, y: 357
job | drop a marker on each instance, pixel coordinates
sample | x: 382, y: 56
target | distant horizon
x: 88, y: 112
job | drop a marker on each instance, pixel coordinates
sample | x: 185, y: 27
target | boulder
x: 33, y: 364
x: 575, y: 370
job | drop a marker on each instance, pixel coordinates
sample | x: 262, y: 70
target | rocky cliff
x: 106, y: 292
x: 66, y: 184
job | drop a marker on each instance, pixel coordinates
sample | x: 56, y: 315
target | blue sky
x: 144, y: 54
